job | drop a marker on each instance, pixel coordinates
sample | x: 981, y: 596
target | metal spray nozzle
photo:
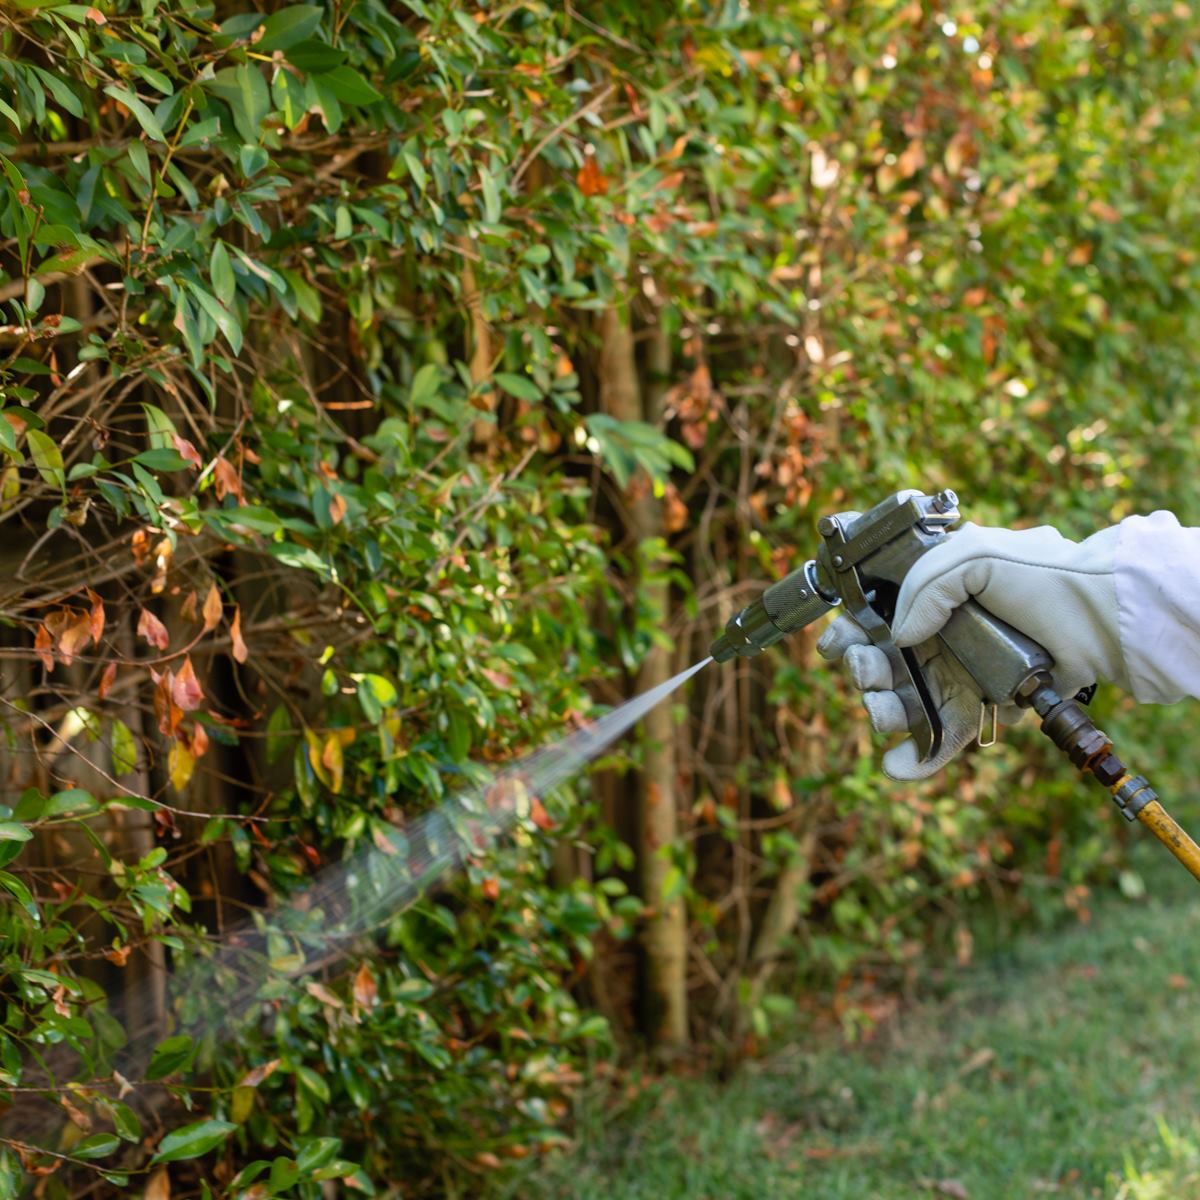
x: 786, y: 606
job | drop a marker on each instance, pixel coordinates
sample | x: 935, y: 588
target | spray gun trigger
x: 991, y: 737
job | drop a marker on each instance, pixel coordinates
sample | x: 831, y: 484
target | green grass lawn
x: 1067, y: 1066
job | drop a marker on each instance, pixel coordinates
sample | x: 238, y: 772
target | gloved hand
x: 1058, y: 592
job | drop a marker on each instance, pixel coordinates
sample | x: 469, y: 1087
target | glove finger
x: 886, y: 712
x: 840, y: 636
x: 937, y: 584
x: 960, y: 724
x: 869, y: 669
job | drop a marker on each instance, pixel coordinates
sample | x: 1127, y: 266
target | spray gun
x: 861, y: 564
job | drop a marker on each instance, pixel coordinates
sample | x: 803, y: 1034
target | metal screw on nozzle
x: 944, y: 501
x: 826, y: 526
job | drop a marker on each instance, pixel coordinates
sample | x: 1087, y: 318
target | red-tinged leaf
x: 337, y: 508
x: 539, y: 816
x: 185, y: 687
x: 43, y: 645
x: 97, y: 616
x: 591, y: 179
x: 153, y: 630
x: 235, y: 632
x: 74, y: 637
x: 491, y: 889
x: 186, y: 450
x: 96, y: 16
x: 212, y: 608
x: 498, y: 679
x: 366, y: 992
x: 263, y: 1071
x: 107, y: 680
x: 226, y: 480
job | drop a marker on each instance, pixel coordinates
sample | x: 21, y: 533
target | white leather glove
x: 1058, y: 592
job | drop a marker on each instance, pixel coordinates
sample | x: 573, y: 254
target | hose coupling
x: 1132, y: 793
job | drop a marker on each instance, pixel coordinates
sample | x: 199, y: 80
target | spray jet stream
x: 252, y: 963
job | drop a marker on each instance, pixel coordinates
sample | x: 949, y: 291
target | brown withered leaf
x: 319, y: 991
x: 158, y: 1186
x: 254, y: 1077
x: 185, y: 687
x: 235, y: 632
x: 675, y: 512
x: 491, y: 888
x: 78, y: 1116
x: 226, y: 480
x: 539, y: 816
x: 107, y: 680
x: 337, y: 508
x: 74, y: 637
x: 43, y: 647
x: 153, y: 630
x: 212, y: 608
x: 118, y: 955
x: 366, y: 991
x: 187, y: 610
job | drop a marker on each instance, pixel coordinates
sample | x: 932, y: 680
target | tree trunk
x: 664, y: 935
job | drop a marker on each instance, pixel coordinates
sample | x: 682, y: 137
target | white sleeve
x: 1157, y: 576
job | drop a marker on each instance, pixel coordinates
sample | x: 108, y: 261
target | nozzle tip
x: 722, y: 649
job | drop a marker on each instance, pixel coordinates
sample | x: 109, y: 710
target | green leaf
x: 193, y: 1140
x: 12, y: 831
x: 222, y: 317
x: 348, y: 86
x: 59, y: 90
x: 99, y: 1145
x: 124, y: 748
x: 162, y: 460
x: 245, y: 91
x: 170, y: 1055
x: 314, y: 56
x: 145, y: 118
x: 519, y: 386
x: 46, y: 457
x: 12, y: 884
x: 220, y: 271
x: 289, y: 26
x: 491, y: 196
x: 425, y: 385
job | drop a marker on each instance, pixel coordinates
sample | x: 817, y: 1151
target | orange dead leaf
x: 187, y: 610
x: 185, y: 687
x: 675, y: 512
x: 118, y: 955
x: 212, y: 609
x: 107, y: 680
x: 166, y: 711
x: 78, y: 1117
x: 139, y: 543
x: 366, y: 991
x: 337, y: 508
x: 235, y: 631
x: 96, y: 16
x: 97, y: 616
x: 199, y: 740
x: 591, y: 179
x: 539, y: 816
x: 43, y: 647
x: 491, y: 889
x: 153, y: 630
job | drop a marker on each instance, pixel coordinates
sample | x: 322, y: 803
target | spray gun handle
x: 999, y: 659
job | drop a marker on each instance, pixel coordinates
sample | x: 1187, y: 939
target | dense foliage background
x: 385, y: 386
